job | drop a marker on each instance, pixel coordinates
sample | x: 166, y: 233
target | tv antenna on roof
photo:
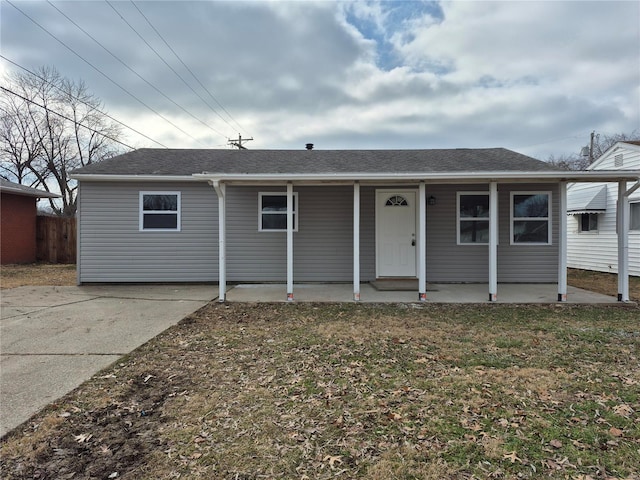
x: 238, y: 142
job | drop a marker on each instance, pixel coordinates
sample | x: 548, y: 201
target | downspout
x: 220, y: 189
x: 78, y: 234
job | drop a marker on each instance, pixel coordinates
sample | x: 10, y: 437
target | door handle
x: 413, y: 243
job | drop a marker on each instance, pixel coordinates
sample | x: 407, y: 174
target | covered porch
x: 518, y: 293
x: 474, y: 290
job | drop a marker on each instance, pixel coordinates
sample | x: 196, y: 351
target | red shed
x: 18, y: 222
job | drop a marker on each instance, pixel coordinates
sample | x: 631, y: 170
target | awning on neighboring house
x: 589, y: 200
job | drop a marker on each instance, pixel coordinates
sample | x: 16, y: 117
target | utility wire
x: 102, y: 73
x: 135, y: 72
x: 82, y: 101
x: 166, y: 63
x: 47, y: 109
x: 188, y: 69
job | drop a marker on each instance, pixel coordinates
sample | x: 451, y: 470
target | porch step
x: 398, y: 285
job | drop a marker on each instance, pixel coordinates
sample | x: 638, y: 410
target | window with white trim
x: 531, y: 218
x: 634, y: 224
x: 588, y: 222
x: 160, y: 211
x: 473, y: 218
x: 272, y: 212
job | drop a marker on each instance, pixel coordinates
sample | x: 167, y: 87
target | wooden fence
x: 56, y: 239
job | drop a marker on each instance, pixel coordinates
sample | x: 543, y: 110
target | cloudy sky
x: 536, y: 77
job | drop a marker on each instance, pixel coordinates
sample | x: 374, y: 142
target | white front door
x: 396, y: 233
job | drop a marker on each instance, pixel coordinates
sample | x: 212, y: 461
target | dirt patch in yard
x: 37, y: 274
x: 600, y: 282
x: 247, y: 391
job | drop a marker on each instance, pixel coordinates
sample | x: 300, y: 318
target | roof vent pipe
x: 309, y: 146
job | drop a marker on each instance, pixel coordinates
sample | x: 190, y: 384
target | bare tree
x: 21, y: 144
x: 49, y: 126
x: 569, y: 162
x: 601, y: 143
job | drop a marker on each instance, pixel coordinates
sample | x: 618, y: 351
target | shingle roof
x: 149, y: 161
x: 10, y: 187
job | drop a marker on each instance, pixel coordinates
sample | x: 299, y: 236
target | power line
x: 47, y: 109
x: 187, y: 68
x: 103, y: 74
x: 82, y: 101
x: 135, y: 72
x: 165, y: 62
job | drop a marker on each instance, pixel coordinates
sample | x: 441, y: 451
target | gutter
x: 133, y: 178
x: 462, y: 177
x: 472, y: 177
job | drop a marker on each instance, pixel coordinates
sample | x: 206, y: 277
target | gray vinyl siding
x: 322, y: 246
x: 112, y: 249
x: 449, y: 262
x: 527, y: 263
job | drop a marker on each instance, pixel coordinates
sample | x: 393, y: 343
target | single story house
x: 454, y: 215
x: 18, y: 221
x: 592, y: 239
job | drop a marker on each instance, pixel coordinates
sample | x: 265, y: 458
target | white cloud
x: 357, y: 74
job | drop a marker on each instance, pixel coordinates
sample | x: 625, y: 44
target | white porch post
x: 356, y: 242
x: 422, y: 243
x: 289, y: 242
x: 624, y: 216
x: 562, y: 243
x: 493, y: 241
x: 220, y: 189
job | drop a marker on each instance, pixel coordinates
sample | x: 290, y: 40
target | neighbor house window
x: 160, y: 211
x: 635, y: 217
x: 531, y: 218
x: 473, y: 218
x: 273, y: 212
x: 588, y: 222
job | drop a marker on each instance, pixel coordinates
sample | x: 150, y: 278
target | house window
x: 160, y: 211
x: 588, y: 222
x: 531, y: 218
x: 272, y: 209
x: 473, y: 218
x: 635, y: 217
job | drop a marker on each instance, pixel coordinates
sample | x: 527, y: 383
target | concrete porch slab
x: 438, y: 293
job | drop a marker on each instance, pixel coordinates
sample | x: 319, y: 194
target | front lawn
x: 355, y: 391
x: 37, y: 274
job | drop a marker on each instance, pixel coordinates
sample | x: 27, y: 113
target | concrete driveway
x: 54, y: 338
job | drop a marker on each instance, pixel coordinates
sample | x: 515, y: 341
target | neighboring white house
x: 592, y: 240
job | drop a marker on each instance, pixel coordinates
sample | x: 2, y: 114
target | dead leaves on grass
x: 314, y: 392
